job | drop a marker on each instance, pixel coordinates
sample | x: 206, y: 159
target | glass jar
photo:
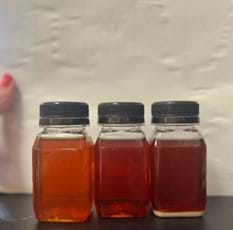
x: 121, y: 162
x: 62, y: 164
x: 178, y: 160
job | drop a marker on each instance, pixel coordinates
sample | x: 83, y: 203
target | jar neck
x: 121, y: 132
x: 122, y: 126
x: 64, y: 128
x: 178, y: 126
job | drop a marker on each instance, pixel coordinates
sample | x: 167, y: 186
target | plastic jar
x: 62, y: 164
x: 121, y: 162
x: 178, y: 160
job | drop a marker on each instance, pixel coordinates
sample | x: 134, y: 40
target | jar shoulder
x: 61, y: 140
x: 121, y: 134
x: 69, y: 133
x: 177, y: 133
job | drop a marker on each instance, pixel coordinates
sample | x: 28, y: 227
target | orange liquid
x: 122, y: 178
x: 179, y: 177
x: 62, y: 180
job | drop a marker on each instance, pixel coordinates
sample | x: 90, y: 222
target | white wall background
x: 95, y: 51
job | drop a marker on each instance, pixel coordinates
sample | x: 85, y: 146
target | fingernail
x: 6, y: 80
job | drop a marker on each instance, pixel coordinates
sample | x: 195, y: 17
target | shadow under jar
x: 121, y: 162
x: 178, y: 160
x: 62, y: 164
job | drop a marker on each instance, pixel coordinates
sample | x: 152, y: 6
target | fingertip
x: 6, y: 80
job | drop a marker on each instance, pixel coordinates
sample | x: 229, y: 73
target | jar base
x: 178, y: 214
x: 62, y: 217
x: 59, y: 220
x: 121, y: 210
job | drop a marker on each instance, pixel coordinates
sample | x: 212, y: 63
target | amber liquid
x: 121, y: 178
x: 62, y: 185
x: 179, y: 177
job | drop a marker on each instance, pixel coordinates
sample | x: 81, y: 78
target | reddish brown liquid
x: 179, y: 176
x: 121, y: 178
x: 62, y: 180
